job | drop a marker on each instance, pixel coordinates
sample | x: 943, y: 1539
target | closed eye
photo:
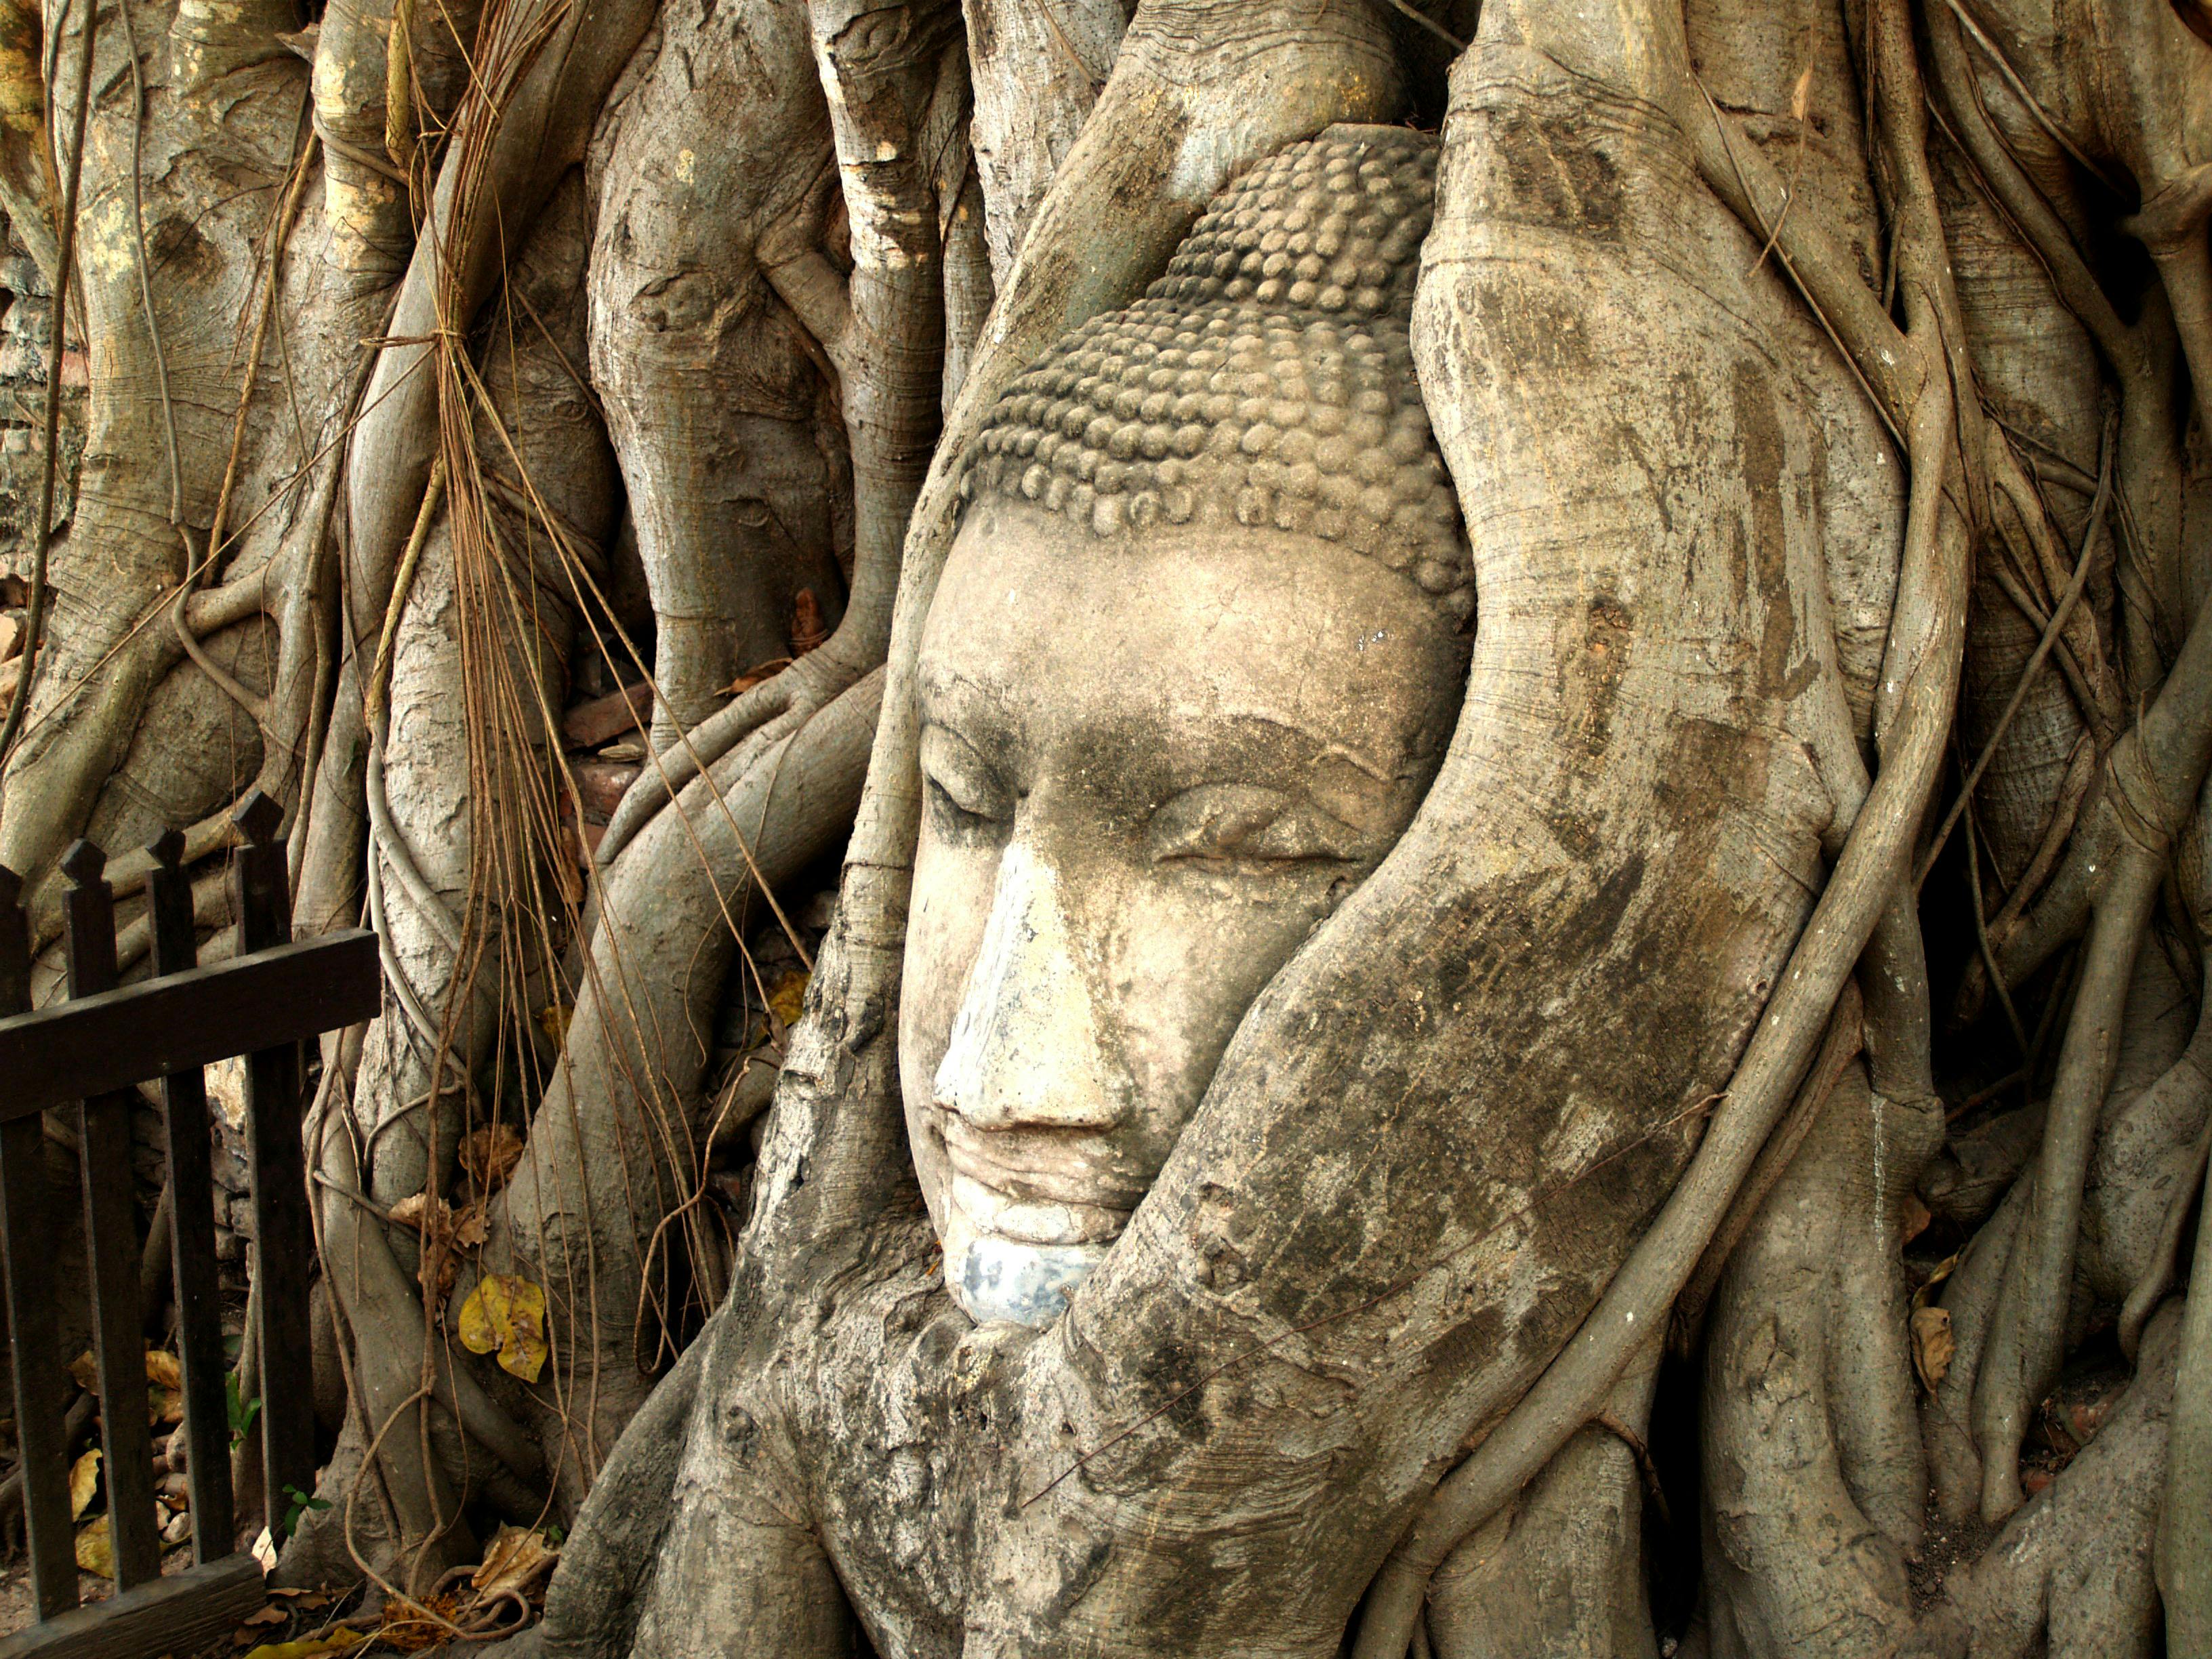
x: 965, y: 793
x: 1225, y: 822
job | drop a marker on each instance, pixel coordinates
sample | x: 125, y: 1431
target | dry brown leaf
x: 471, y: 1226
x: 86, y: 1370
x: 410, y: 1632
x: 808, y: 631
x: 423, y: 1211
x: 788, y: 998
x: 312, y: 1647
x: 513, y: 1560
x: 489, y: 1155
x: 84, y: 1480
x: 1933, y: 1346
x: 759, y: 675
x: 271, y: 1614
x: 1934, y: 1282
x: 165, y: 1387
x: 1916, y: 1218
x: 95, y: 1552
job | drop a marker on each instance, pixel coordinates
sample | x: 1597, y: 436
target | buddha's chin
x: 996, y: 1277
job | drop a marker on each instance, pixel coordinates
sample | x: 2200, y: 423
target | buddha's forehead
x: 1265, y: 384
x: 1042, y: 635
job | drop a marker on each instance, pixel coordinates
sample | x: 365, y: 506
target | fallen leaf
x: 489, y: 1155
x: 808, y: 631
x: 1916, y: 1218
x: 553, y: 1020
x: 513, y: 1560
x: 1934, y: 1282
x: 95, y: 1552
x: 86, y: 1370
x: 312, y: 1647
x: 1933, y: 1346
x: 788, y: 999
x: 408, y: 1628
x: 271, y: 1614
x: 471, y: 1226
x: 2033, y: 1482
x: 506, y: 1313
x: 756, y: 676
x: 419, y: 1211
x: 165, y: 1387
x: 84, y: 1480
x: 2085, y: 1419
x: 265, y: 1550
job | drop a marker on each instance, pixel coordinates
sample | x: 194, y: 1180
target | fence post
x: 26, y: 1231
x: 283, y: 1246
x: 191, y: 1230
x: 118, y: 1344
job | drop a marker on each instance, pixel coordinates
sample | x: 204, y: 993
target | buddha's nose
x: 1028, y: 1046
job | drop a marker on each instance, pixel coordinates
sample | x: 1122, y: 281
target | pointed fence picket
x: 86, y: 1054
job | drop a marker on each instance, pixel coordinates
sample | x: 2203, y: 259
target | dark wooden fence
x: 89, y: 1052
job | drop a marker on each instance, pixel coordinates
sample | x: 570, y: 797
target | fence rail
x: 91, y: 1050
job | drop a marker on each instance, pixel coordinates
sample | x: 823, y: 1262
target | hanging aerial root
x: 65, y: 263
x: 2153, y: 777
x: 1845, y: 1038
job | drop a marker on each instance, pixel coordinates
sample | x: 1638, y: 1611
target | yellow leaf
x: 84, y: 1478
x: 506, y: 1313
x: 1933, y: 1346
x: 95, y: 1552
x: 313, y: 1647
x: 788, y: 999
x: 553, y: 1020
x: 165, y: 1387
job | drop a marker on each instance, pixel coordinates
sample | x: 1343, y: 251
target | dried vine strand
x: 43, y: 535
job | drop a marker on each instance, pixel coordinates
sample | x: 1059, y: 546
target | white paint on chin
x: 994, y: 1278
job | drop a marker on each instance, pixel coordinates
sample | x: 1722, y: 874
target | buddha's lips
x: 1014, y: 1199
x: 989, y: 1211
x: 1030, y: 1163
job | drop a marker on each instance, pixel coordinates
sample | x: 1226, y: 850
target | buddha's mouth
x: 991, y: 1209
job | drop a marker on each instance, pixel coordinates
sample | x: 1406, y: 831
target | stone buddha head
x: 1195, y: 656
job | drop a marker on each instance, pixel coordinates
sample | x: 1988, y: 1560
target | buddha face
x: 1152, y: 766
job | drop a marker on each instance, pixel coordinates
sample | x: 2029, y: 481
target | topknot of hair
x: 1266, y: 379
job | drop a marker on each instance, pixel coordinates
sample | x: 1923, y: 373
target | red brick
x: 588, y: 724
x: 601, y: 783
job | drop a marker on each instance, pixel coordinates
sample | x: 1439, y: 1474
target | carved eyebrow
x: 944, y: 678
x: 1322, y: 748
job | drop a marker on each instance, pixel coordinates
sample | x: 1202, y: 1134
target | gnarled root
x: 1560, y: 1570
x: 1814, y: 1473
x: 610, y: 1154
